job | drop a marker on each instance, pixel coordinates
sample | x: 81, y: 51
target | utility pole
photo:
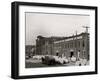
x: 87, y: 43
x: 86, y: 28
x: 76, y: 45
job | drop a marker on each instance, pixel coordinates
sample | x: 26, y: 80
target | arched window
x: 78, y: 43
x: 83, y: 44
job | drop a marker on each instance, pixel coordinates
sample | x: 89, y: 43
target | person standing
x: 78, y: 55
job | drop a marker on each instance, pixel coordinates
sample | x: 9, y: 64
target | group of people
x: 76, y: 59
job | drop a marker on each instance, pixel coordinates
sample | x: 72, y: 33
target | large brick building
x: 77, y: 45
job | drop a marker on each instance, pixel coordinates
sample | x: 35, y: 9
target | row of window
x: 71, y: 44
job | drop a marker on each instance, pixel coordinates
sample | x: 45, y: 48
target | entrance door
x: 57, y: 54
x: 71, y: 53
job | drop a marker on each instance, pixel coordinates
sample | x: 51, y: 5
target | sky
x: 48, y: 25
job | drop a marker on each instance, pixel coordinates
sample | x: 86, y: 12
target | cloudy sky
x: 53, y: 25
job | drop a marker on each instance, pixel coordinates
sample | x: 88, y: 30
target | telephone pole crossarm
x: 86, y: 28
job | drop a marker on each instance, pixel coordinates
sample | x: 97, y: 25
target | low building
x: 29, y: 50
x: 77, y: 45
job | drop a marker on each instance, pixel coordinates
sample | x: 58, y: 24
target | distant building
x: 77, y: 45
x: 29, y: 50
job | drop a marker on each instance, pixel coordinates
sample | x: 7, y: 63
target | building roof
x: 56, y: 38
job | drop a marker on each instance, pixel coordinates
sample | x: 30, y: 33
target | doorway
x: 71, y: 53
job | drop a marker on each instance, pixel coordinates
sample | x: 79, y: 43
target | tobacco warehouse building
x: 77, y: 45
